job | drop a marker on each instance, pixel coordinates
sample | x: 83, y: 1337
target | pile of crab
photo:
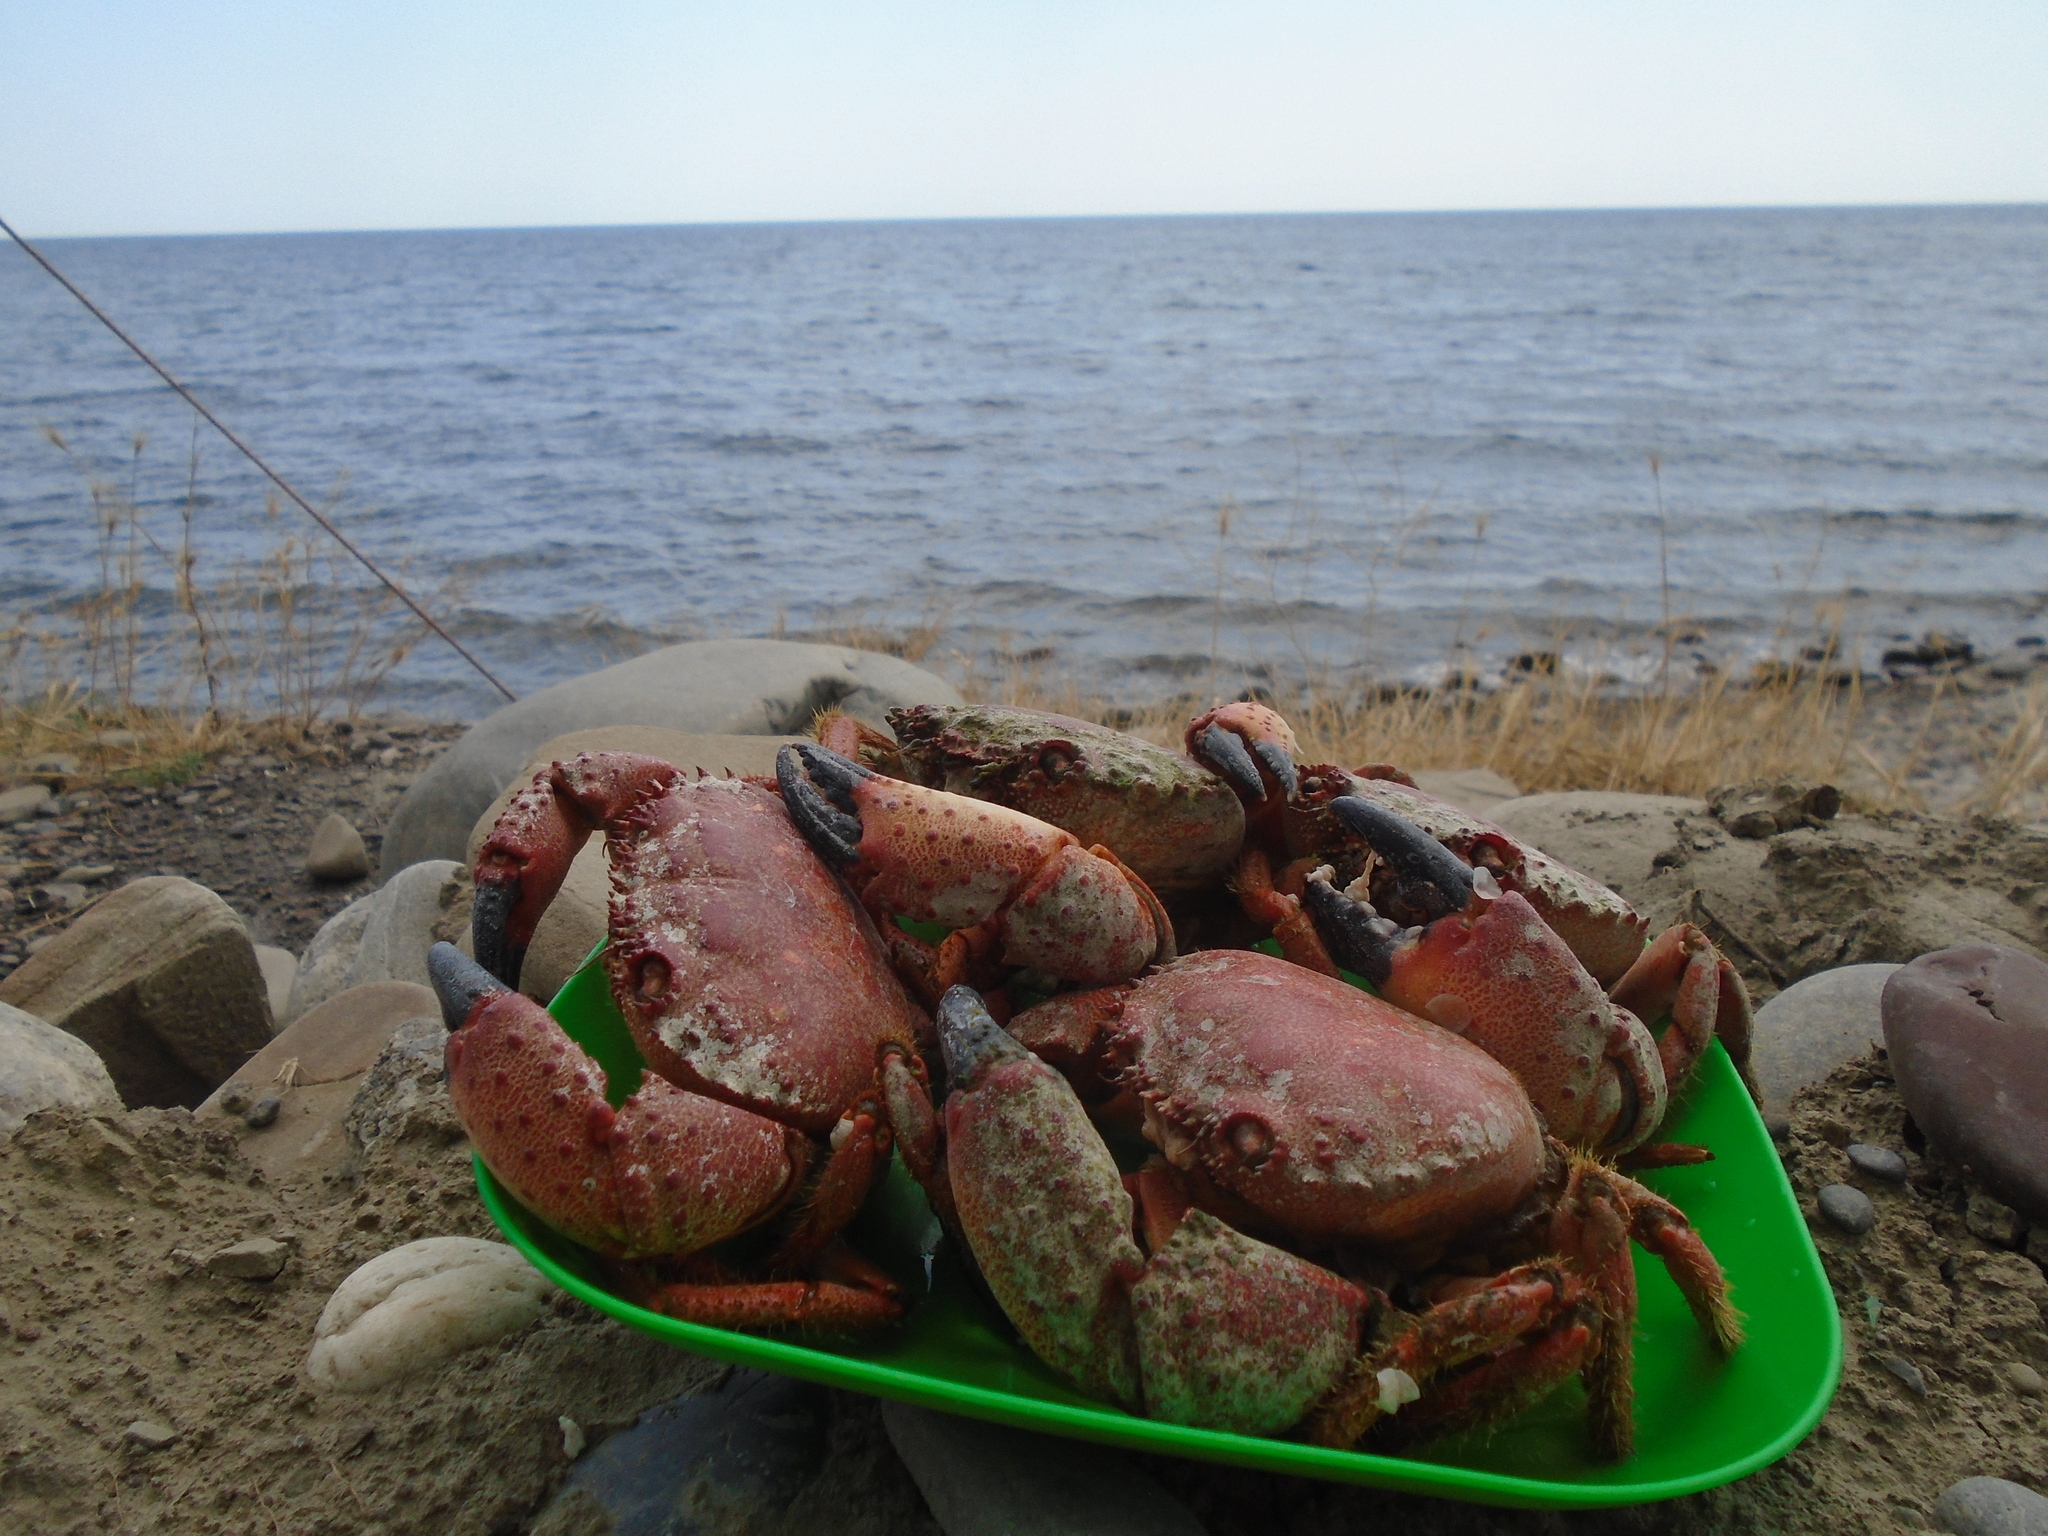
x: 1399, y: 1212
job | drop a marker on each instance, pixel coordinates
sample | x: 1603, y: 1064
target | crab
x: 1014, y: 891
x: 785, y: 1058
x: 1464, y: 947
x: 1177, y: 824
x: 1299, y: 1118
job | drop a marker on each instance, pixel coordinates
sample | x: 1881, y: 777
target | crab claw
x: 1481, y: 962
x: 1433, y: 880
x: 1249, y: 745
x: 1010, y: 879
x: 665, y: 1172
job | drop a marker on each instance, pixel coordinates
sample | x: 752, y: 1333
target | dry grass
x: 260, y: 654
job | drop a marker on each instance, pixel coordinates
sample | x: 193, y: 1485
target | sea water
x: 1151, y: 455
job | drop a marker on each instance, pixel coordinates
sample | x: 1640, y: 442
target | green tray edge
x: 1115, y: 1428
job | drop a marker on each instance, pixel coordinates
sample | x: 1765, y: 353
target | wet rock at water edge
x: 1967, y: 1029
x: 1847, y: 1207
x: 1991, y: 1506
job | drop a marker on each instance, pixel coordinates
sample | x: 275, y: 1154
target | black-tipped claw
x: 1224, y: 751
x: 489, y: 933
x: 817, y: 790
x: 1433, y: 880
x: 1279, y: 763
x: 1357, y: 937
x: 972, y: 1041
x: 458, y: 982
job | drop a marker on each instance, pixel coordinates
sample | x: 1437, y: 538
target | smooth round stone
x: 1967, y: 1029
x: 1991, y: 1506
x: 1848, y: 1208
x: 2024, y: 1379
x: 1878, y: 1162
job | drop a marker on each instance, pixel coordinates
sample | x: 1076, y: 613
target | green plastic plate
x: 1701, y: 1421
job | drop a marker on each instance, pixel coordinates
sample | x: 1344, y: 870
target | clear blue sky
x: 120, y: 117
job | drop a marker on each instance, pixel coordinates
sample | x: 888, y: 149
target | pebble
x: 2024, y: 1379
x: 1907, y: 1372
x: 84, y: 874
x: 413, y: 1307
x: 151, y: 1434
x: 20, y: 804
x: 1848, y: 1208
x: 573, y: 1438
x: 262, y: 1113
x: 256, y: 1258
x: 1995, y: 1223
x: 64, y: 895
x: 337, y: 853
x: 1878, y: 1162
x: 1991, y: 1506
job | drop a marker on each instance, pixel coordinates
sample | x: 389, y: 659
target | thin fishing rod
x: 250, y: 454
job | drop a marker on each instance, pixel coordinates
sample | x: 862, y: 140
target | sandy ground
x: 109, y: 1316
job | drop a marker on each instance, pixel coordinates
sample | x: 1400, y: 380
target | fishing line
x: 250, y: 454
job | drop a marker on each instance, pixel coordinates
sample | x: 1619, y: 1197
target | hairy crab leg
x: 1681, y: 971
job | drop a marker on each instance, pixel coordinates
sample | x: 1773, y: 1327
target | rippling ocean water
x: 1157, y: 454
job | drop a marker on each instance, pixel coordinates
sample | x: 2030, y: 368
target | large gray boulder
x: 42, y: 1067
x: 724, y: 687
x: 1812, y: 1027
x: 383, y: 936
x: 161, y: 980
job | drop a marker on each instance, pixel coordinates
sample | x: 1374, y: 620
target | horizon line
x: 1051, y: 218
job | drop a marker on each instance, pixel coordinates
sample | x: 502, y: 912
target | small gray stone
x: 84, y: 874
x: 64, y: 896
x: 60, y: 765
x: 987, y: 1480
x: 1907, y: 1372
x: 262, y: 1113
x: 2024, y: 1379
x: 1812, y: 1027
x: 1991, y: 1506
x: 20, y: 804
x: 1848, y: 1208
x: 337, y: 853
x: 151, y: 1434
x: 256, y: 1258
x: 1877, y: 1162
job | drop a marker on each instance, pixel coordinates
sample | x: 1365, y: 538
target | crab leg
x: 524, y: 861
x: 1681, y: 971
x: 999, y: 878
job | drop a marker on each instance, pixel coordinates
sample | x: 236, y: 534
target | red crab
x: 1014, y: 890
x: 1294, y: 1107
x: 784, y: 1055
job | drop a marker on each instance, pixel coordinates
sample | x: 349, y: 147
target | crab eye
x: 1251, y: 1138
x: 652, y: 978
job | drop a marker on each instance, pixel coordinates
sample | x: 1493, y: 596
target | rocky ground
x: 240, y: 826
x: 148, y: 1385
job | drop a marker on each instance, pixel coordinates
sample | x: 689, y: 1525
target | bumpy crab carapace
x: 784, y: 1057
x: 1294, y: 1110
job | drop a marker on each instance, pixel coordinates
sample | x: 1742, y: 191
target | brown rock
x: 1967, y: 1029
x: 337, y: 853
x: 161, y: 980
x: 327, y: 1052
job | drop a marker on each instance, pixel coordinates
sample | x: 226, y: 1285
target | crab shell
x: 1602, y: 929
x: 1171, y: 820
x: 1335, y: 1116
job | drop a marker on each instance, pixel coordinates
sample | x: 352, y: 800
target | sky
x: 197, y: 116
